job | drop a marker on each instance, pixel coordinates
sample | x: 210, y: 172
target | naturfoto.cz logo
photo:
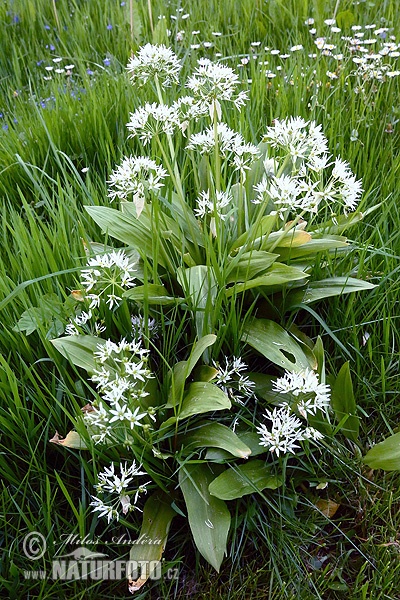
x: 84, y: 564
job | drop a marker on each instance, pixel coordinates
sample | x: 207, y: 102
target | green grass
x: 279, y: 549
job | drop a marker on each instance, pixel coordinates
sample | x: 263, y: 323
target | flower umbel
x: 154, y: 61
x: 138, y: 177
x: 117, y: 484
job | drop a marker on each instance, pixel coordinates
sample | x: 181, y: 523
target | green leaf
x: 273, y: 342
x: 249, y: 264
x: 254, y: 237
x: 209, y: 517
x: 157, y: 517
x: 344, y: 404
x: 205, y: 373
x: 252, y: 440
x: 79, y: 349
x: 214, y: 435
x: 385, y: 455
x: 183, y: 369
x: 203, y: 397
x: 314, y: 246
x: 151, y: 294
x: 160, y: 33
x: 49, y: 308
x: 238, y: 481
x: 326, y: 288
x: 127, y: 229
x: 200, y: 289
x: 277, y: 277
x: 136, y: 22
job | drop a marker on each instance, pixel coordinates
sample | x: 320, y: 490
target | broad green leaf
x: 198, y: 349
x: 312, y: 247
x: 203, y: 397
x: 79, y: 349
x: 209, y: 517
x: 205, y: 373
x: 186, y: 221
x: 326, y: 288
x: 127, y: 229
x: 200, y: 290
x: 183, y: 369
x: 48, y: 311
x: 151, y: 294
x: 214, y: 435
x: 157, y: 516
x: 252, y: 440
x: 247, y: 265
x: 160, y: 33
x: 385, y: 455
x: 257, y: 233
x: 277, y: 276
x: 238, y: 481
x: 135, y: 22
x: 342, y: 222
x: 273, y: 342
x: 344, y: 404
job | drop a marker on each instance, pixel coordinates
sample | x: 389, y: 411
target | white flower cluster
x: 155, y: 61
x: 81, y: 321
x: 230, y: 143
x: 213, y: 207
x: 141, y: 329
x: 154, y: 119
x: 314, y: 178
x: 306, y: 383
x: 297, y: 137
x: 136, y: 176
x: 212, y: 82
x: 287, y: 429
x: 232, y: 380
x: 106, y: 278
x: 120, y: 378
x: 150, y: 120
x: 284, y: 433
x: 117, y: 484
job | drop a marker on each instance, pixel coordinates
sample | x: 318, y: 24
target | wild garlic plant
x: 220, y: 237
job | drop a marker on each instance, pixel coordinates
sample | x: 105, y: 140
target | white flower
x: 151, y: 120
x: 142, y: 329
x: 231, y: 378
x: 284, y: 190
x: 111, y: 482
x: 297, y: 136
x: 212, y: 82
x: 106, y: 274
x: 136, y: 176
x: 304, y: 383
x: 186, y: 109
x: 230, y: 143
x: 104, y: 510
x: 285, y: 431
x: 213, y: 207
x: 154, y: 61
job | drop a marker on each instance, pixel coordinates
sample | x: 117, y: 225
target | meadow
x: 324, y: 525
